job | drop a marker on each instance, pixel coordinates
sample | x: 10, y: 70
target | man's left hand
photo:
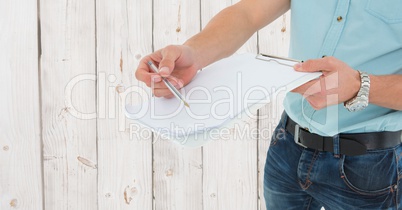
x: 337, y: 84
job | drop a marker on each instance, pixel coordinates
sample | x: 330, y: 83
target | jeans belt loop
x: 296, y: 136
x: 336, y: 142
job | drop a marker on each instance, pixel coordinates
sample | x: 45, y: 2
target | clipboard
x: 221, y: 94
x: 277, y: 59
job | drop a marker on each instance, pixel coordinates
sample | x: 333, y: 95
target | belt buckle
x: 296, y: 136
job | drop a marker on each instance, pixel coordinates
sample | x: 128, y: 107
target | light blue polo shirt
x: 367, y: 35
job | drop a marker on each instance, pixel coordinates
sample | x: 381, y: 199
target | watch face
x: 358, y: 105
x: 360, y: 101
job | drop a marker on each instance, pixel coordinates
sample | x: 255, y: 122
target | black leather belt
x: 349, y: 144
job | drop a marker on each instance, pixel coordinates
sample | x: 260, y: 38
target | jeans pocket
x: 388, y: 11
x: 374, y: 173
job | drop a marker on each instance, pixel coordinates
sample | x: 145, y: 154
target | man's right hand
x: 177, y: 63
x: 222, y: 36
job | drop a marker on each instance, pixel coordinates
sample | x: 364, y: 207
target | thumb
x: 314, y: 65
x: 167, y: 64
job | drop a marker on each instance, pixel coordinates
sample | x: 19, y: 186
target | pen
x: 168, y: 84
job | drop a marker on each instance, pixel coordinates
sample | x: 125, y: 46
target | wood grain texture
x: 92, y: 156
x: 124, y: 35
x: 230, y: 161
x: 20, y: 151
x: 274, y: 40
x: 177, y: 171
x: 69, y: 104
x: 230, y: 165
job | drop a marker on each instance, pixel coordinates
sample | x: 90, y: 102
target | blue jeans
x: 299, y: 178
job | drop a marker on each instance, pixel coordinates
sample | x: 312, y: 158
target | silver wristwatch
x: 361, y: 100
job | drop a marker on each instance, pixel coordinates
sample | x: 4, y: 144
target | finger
x: 151, y: 79
x: 319, y: 101
x: 142, y: 72
x: 323, y: 87
x: 317, y: 88
x: 326, y: 83
x: 313, y: 89
x: 145, y: 74
x: 309, y: 88
x: 320, y: 87
x: 163, y: 92
x: 156, y: 78
x: 178, y: 83
x: 314, y: 65
x: 169, y: 56
x: 316, y: 101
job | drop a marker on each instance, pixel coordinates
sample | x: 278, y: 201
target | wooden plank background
x: 67, y: 67
x: 21, y: 184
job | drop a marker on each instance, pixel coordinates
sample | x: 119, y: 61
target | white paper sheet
x: 223, y: 91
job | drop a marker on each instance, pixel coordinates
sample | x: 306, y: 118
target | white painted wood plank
x: 177, y: 171
x: 273, y: 39
x: 124, y: 35
x: 69, y: 122
x: 230, y: 162
x: 20, y: 151
x: 230, y: 167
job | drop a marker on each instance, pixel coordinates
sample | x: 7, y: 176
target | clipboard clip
x: 276, y: 59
